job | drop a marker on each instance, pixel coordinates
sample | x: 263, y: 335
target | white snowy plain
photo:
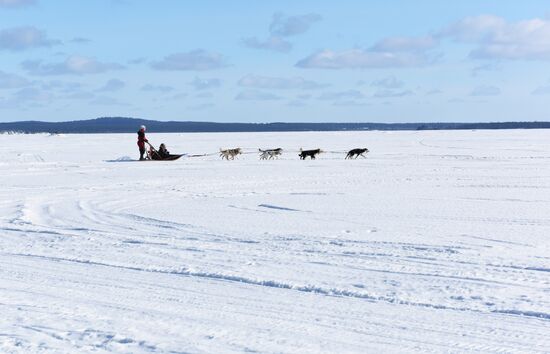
x: 438, y: 241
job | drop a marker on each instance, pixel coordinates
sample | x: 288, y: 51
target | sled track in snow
x: 419, y: 238
x: 106, y: 224
x: 274, y: 284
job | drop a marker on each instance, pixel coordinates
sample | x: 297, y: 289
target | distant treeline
x: 130, y: 125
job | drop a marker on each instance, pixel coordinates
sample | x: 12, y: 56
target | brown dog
x: 311, y: 153
x: 357, y: 153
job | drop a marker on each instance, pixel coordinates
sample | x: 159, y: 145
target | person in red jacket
x: 141, y: 141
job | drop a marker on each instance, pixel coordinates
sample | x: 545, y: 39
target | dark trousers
x: 141, y: 153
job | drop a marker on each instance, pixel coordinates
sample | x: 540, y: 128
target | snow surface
x: 437, y: 242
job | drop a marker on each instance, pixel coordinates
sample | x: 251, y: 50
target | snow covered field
x: 437, y: 242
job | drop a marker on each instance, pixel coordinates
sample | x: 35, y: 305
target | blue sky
x: 265, y: 61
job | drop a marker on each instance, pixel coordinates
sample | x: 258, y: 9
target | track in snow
x: 436, y: 242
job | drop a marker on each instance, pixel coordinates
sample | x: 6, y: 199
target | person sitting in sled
x: 163, y: 152
x: 141, y: 142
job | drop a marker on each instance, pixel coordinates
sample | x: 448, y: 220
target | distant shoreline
x: 130, y: 125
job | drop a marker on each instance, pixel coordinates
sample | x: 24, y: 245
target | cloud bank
x: 389, y: 82
x: 497, y: 38
x: 277, y: 44
x: 16, y: 3
x: 387, y: 53
x: 112, y: 85
x: 12, y: 81
x: 196, y: 60
x: 256, y: 96
x: 205, y: 84
x: 265, y: 82
x: 285, y: 26
x: 485, y: 90
x: 280, y: 28
x: 73, y: 65
x: 157, y: 88
x: 494, y: 38
x: 22, y: 38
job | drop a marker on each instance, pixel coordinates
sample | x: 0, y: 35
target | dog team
x: 230, y: 154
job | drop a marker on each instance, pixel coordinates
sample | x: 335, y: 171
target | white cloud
x: 392, y: 93
x: 456, y: 100
x: 362, y: 59
x: 434, y: 92
x: 137, y: 61
x: 31, y: 94
x: 387, y: 53
x: 349, y: 103
x: 497, y: 38
x: 542, y: 90
x: 274, y: 43
x: 285, y: 26
x: 405, y: 44
x: 473, y: 29
x: 476, y: 71
x: 107, y: 101
x: 204, y: 95
x: 21, y: 38
x: 80, y: 40
x: 73, y: 65
x: 205, y: 84
x: 389, y: 82
x: 79, y: 95
x: 265, y: 82
x: 12, y: 81
x: 61, y: 86
x: 50, y: 90
x: 256, y: 96
x: 201, y: 106
x: 296, y: 103
x: 16, y: 3
x: 485, y: 90
x: 281, y: 27
x: 342, y: 95
x: 158, y: 88
x: 196, y: 60
x: 179, y: 96
x: 112, y: 85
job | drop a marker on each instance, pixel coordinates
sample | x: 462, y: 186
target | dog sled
x: 154, y: 155
x: 157, y: 157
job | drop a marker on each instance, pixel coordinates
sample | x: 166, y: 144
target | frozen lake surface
x: 439, y: 241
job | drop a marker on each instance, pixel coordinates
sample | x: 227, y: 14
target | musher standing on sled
x: 141, y: 142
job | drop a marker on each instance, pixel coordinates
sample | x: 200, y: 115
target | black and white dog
x: 270, y: 153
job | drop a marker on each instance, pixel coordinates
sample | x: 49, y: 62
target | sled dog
x: 311, y: 153
x: 357, y: 153
x: 230, y: 153
x: 270, y: 153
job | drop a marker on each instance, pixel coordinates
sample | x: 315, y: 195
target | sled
x: 155, y: 157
